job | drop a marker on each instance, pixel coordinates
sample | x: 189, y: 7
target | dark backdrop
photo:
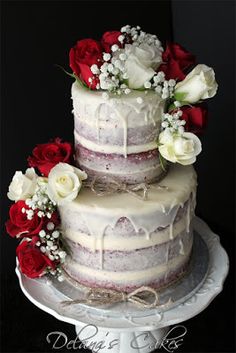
x: 36, y: 106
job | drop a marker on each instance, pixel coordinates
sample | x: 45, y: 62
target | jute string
x: 105, y: 185
x: 101, y: 296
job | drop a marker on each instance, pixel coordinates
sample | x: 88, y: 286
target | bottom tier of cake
x: 123, y: 242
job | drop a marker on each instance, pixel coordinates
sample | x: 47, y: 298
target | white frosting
x: 123, y: 244
x: 120, y: 111
x: 129, y: 276
x: 114, y: 148
x: 159, y: 210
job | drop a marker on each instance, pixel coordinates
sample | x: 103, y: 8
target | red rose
x: 109, y: 39
x: 19, y: 223
x: 82, y: 56
x: 47, y: 155
x: 33, y: 262
x: 195, y: 117
x: 176, y: 61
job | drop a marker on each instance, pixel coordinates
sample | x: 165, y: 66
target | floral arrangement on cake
x: 120, y: 62
x: 131, y: 59
x: 34, y: 218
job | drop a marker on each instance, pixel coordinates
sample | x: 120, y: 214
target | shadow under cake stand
x: 126, y: 328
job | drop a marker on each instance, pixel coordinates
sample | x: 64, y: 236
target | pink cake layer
x: 136, y: 168
x: 137, y: 259
x: 139, y: 135
x: 161, y: 281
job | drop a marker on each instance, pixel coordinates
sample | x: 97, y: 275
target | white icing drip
x: 115, y: 242
x: 125, y: 135
x: 188, y: 218
x: 101, y: 246
x: 86, y: 103
x: 172, y: 221
x: 181, y: 247
x: 114, y: 148
x: 151, y: 112
x: 124, y: 112
x: 167, y: 260
x: 100, y: 212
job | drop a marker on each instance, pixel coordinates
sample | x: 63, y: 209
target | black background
x: 36, y: 106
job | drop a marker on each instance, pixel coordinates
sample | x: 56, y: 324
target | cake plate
x: 124, y: 328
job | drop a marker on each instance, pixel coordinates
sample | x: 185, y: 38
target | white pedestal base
x: 98, y: 339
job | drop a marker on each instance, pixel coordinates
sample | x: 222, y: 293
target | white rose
x: 141, y: 63
x: 177, y: 148
x: 22, y: 186
x: 148, y: 55
x: 199, y: 84
x: 64, y: 183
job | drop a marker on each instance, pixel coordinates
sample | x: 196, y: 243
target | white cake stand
x: 127, y: 329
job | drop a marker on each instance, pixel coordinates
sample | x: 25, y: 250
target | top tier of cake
x: 116, y: 136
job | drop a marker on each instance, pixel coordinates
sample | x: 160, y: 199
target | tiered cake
x: 116, y: 211
x: 120, y: 240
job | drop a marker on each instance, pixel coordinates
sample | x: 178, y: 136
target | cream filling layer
x: 124, y: 170
x: 109, y: 149
x: 130, y: 276
x: 127, y: 244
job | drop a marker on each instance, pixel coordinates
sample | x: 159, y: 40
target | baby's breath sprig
x: 173, y: 123
x: 40, y: 201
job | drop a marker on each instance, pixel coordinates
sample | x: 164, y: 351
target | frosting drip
x: 118, y: 125
x: 93, y: 215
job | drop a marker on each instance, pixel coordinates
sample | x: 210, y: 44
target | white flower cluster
x: 173, y: 123
x: 138, y: 36
x: 49, y: 245
x: 133, y: 66
x: 112, y: 72
x: 40, y: 201
x: 164, y: 87
x: 42, y: 196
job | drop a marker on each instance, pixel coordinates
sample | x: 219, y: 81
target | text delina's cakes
x: 115, y: 211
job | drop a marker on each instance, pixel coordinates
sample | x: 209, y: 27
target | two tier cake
x: 116, y: 211
x: 123, y: 240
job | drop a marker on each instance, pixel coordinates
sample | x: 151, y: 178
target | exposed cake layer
x: 116, y: 128
x: 136, y: 168
x: 156, y: 277
x: 121, y: 241
x: 139, y: 258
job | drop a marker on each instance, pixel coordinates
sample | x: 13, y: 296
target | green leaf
x: 73, y: 75
x: 171, y: 107
x: 162, y: 162
x: 66, y: 72
x: 141, y: 89
x: 180, y: 96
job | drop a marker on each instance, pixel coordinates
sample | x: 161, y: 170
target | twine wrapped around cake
x: 102, y: 296
x: 105, y: 185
